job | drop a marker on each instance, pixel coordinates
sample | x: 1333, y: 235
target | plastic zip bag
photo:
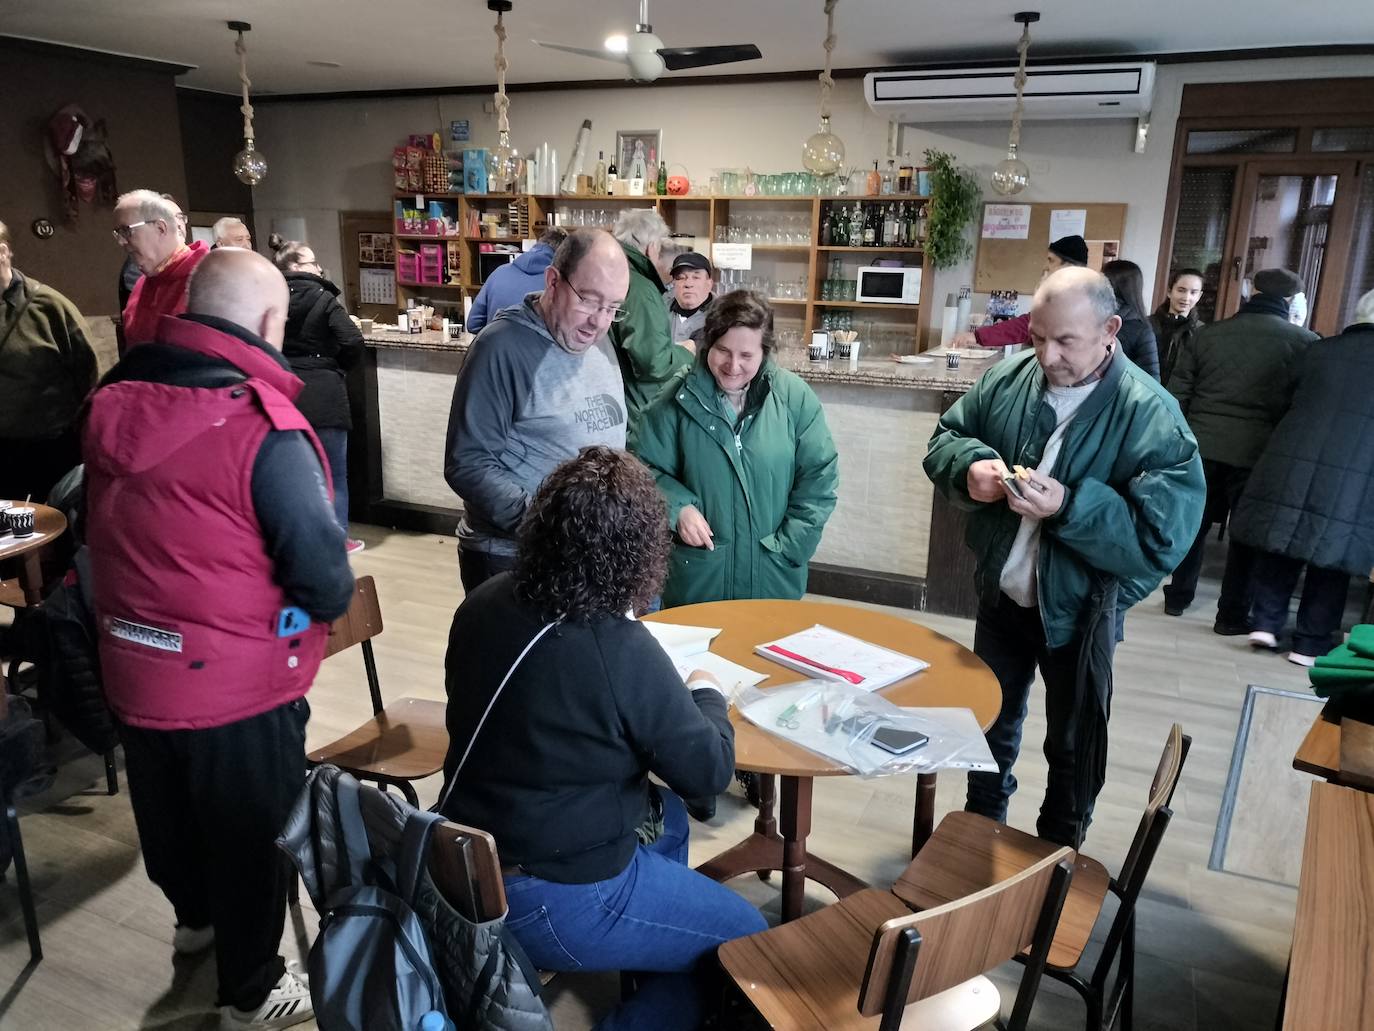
x: 838, y: 721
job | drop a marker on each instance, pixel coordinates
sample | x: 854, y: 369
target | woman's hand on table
x: 702, y: 678
x: 985, y: 480
x: 693, y: 529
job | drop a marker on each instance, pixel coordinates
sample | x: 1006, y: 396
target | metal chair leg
x: 111, y: 774
x: 21, y: 873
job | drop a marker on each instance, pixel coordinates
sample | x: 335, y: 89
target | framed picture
x: 633, y: 145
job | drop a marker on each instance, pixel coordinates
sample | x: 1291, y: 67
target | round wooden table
x: 21, y: 559
x: 956, y: 678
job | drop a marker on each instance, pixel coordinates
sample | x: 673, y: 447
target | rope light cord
x: 246, y: 107
x: 1021, y: 49
x: 827, y: 83
x: 501, y: 103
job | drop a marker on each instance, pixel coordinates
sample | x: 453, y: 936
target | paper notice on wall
x: 732, y: 255
x: 1006, y: 221
x: 1067, y: 222
x: 376, y: 286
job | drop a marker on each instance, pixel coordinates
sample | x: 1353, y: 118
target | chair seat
x: 805, y: 975
x: 968, y: 852
x: 405, y: 741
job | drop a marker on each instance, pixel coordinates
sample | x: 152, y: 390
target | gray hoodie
x: 523, y: 405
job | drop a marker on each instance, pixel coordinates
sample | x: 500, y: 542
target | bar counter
x: 889, y: 540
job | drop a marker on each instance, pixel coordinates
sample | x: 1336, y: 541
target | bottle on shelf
x: 890, y: 226
x: 874, y: 184
x: 855, y: 235
x: 872, y: 226
x: 888, y: 180
x: 906, y: 175
x: 599, y: 176
x: 661, y: 186
x: 921, y: 223
x: 611, y: 174
x: 827, y: 234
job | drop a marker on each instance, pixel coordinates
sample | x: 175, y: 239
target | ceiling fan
x: 647, y: 58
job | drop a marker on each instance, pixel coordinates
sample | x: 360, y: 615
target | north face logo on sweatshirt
x: 599, y: 413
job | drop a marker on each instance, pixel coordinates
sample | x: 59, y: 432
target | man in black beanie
x: 1234, y: 381
x: 1066, y: 252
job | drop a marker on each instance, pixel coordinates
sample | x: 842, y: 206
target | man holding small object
x: 1107, y: 496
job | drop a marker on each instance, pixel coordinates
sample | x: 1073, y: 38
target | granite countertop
x: 426, y: 340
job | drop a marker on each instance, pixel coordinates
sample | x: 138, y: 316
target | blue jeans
x: 657, y: 916
x: 335, y: 444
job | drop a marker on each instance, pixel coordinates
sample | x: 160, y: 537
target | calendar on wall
x: 376, y: 286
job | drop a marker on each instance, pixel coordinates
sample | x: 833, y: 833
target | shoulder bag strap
x: 487, y: 712
x: 414, y: 852
x: 354, y: 831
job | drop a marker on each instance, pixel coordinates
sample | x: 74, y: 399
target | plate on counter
x: 912, y: 359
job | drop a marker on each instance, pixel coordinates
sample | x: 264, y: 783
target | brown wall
x: 211, y: 134
x: 139, y: 104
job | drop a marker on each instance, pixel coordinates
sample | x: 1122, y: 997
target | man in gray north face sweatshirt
x: 540, y: 383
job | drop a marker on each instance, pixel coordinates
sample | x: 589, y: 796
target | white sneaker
x: 286, y: 1004
x: 1264, y: 639
x: 1298, y: 659
x: 187, y: 941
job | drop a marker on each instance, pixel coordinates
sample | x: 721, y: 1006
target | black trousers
x: 476, y: 567
x: 1011, y: 640
x: 1319, y: 611
x: 209, y: 805
x: 1225, y: 483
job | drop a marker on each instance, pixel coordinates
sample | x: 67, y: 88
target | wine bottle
x: 871, y: 224
x: 612, y: 175
x: 662, y: 184
x: 599, y: 176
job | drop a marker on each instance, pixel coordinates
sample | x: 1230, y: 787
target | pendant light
x: 1011, y: 175
x: 250, y: 167
x: 823, y: 152
x: 503, y: 161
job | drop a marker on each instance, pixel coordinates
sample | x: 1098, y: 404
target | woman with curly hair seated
x: 559, y: 707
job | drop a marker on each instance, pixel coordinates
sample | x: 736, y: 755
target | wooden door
x: 1294, y: 213
x: 366, y: 242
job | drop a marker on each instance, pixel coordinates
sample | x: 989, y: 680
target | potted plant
x: 955, y: 197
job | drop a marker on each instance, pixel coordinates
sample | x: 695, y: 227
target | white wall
x: 332, y: 156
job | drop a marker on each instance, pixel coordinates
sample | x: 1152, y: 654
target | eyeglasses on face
x: 123, y: 233
x: 614, y: 312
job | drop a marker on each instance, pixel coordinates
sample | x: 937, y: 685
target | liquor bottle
x: 872, y: 227
x: 611, y: 175
x: 906, y: 175
x: 856, y: 226
x: 921, y: 224
x: 662, y: 184
x: 888, y: 181
x: 827, y: 228
x: 874, y: 184
x: 599, y: 176
x: 890, y: 226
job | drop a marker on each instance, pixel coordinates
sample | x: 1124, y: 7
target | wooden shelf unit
x: 685, y: 214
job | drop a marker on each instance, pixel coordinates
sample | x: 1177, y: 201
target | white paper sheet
x: 688, y: 647
x: 1068, y: 222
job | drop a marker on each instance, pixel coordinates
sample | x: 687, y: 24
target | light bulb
x: 504, y: 165
x: 823, y: 152
x: 250, y: 167
x: 1011, y: 175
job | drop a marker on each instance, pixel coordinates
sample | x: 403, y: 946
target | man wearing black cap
x: 689, y: 297
x: 1234, y: 381
x: 1066, y: 252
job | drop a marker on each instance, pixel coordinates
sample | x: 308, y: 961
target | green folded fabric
x: 1343, y: 657
x: 1332, y: 680
x: 1362, y: 640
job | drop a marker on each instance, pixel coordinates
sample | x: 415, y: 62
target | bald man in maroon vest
x: 217, y: 565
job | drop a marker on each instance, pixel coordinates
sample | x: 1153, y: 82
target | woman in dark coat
x: 1136, y: 337
x: 321, y: 344
x: 1308, y: 502
x: 1175, y: 321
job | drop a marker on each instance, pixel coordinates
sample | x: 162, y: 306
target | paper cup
x: 951, y: 361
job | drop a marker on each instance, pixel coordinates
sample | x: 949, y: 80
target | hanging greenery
x: 955, y: 197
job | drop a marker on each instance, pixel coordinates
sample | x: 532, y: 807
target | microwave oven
x: 880, y: 284
x: 489, y: 261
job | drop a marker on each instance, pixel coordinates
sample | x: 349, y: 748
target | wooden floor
x: 1212, y: 945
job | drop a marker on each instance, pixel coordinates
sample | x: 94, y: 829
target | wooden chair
x: 855, y: 964
x: 968, y: 852
x: 403, y: 742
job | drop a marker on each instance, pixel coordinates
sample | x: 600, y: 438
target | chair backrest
x: 467, y: 871
x: 362, y: 621
x: 1161, y: 792
x: 969, y: 936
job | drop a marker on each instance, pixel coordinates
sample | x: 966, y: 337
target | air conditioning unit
x: 1117, y: 90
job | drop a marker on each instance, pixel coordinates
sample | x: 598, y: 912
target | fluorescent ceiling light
x: 617, y: 44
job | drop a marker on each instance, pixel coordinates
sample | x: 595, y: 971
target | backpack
x: 370, y: 967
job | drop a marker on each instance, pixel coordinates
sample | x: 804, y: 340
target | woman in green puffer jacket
x: 744, y: 458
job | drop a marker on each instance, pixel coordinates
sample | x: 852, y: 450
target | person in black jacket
x: 559, y: 707
x: 322, y: 343
x: 1175, y: 321
x: 1136, y: 337
x: 1307, y: 503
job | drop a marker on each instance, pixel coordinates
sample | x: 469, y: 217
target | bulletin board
x: 1016, y: 264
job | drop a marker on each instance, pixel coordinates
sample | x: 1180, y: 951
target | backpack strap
x: 413, y: 853
x: 353, y: 829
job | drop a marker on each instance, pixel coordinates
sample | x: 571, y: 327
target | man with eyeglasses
x: 540, y: 383
x: 148, y: 227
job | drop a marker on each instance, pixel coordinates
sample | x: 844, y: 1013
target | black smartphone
x: 1014, y: 485
x: 898, y: 741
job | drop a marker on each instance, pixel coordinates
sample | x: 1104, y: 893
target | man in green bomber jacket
x: 741, y: 452
x: 1113, y: 499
